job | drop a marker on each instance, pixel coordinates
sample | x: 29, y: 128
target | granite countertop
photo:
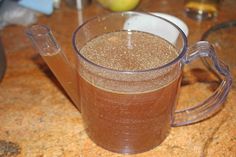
x: 38, y: 120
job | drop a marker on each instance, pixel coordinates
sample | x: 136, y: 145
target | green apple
x: 119, y: 5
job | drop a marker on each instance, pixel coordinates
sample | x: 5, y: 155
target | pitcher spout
x: 46, y: 45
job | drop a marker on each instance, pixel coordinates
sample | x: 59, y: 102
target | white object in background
x: 178, y: 22
x: 157, y: 26
x: 79, y: 4
x: 56, y: 3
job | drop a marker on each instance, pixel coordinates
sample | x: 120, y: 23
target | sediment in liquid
x: 129, y: 51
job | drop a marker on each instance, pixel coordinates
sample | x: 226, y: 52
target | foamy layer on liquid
x: 129, y: 51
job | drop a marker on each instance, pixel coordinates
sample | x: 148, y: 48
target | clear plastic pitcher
x: 129, y: 110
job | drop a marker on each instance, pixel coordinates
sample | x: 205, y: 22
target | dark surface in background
x: 2, y: 61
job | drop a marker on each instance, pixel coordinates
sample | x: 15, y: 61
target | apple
x: 119, y: 5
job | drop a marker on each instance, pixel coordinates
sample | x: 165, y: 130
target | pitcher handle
x: 213, y: 103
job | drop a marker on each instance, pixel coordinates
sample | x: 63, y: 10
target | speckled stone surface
x: 38, y: 120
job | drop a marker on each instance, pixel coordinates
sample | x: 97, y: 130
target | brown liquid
x: 64, y: 73
x: 133, y: 121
